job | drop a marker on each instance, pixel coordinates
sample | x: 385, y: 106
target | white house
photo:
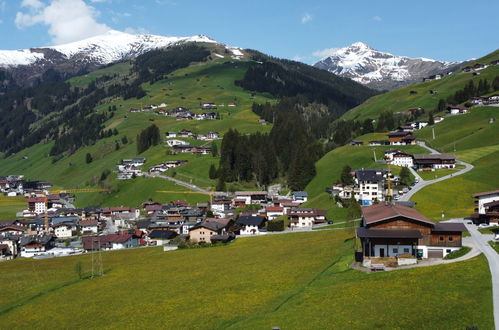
x: 89, y: 226
x: 176, y: 142
x: 274, y: 212
x: 251, y: 225
x: 485, y: 198
x: 300, y: 196
x: 252, y: 197
x: 305, y: 217
x: 171, y: 134
x: 220, y: 206
x: 371, y: 185
x: 64, y: 230
x: 402, y: 159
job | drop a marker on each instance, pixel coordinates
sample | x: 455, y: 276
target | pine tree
x: 346, y: 175
x: 214, y: 149
x: 124, y: 140
x: 221, y: 185
x: 213, y: 173
x: 430, y: 118
x: 88, y: 158
x: 405, y: 176
x: 441, y: 105
x: 116, y: 146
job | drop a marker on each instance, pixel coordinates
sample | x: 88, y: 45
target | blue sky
x: 303, y: 30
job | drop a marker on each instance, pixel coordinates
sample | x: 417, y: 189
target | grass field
x: 299, y: 281
x: 9, y: 206
x: 400, y: 99
x: 495, y: 246
x: 439, y: 173
x: 489, y: 230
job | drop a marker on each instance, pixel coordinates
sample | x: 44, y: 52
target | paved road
x: 179, y: 182
x: 422, y: 183
x: 481, y: 242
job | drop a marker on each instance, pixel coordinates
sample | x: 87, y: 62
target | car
x: 469, y: 222
x: 483, y: 225
x: 329, y: 222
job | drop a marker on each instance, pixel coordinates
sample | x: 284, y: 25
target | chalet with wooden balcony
x: 390, y: 230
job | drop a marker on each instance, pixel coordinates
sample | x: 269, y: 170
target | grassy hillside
x: 189, y: 87
x: 400, y: 99
x: 244, y: 286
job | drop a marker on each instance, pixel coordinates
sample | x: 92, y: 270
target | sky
x: 448, y: 30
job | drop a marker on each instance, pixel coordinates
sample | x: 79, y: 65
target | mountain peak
x: 377, y: 69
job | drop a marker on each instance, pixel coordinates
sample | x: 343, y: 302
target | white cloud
x: 324, y: 52
x: 298, y: 58
x: 32, y: 4
x: 166, y: 3
x: 139, y: 30
x: 3, y: 6
x: 377, y: 18
x: 68, y: 20
x: 97, y: 1
x: 306, y: 18
x: 1, y: 22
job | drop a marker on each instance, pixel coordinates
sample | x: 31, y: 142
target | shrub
x: 458, y: 253
x: 275, y: 225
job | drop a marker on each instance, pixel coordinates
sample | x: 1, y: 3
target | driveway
x: 481, y: 242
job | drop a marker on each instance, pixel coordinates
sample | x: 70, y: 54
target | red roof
x: 117, y: 238
x: 36, y: 200
x: 380, y: 212
x: 274, y: 209
x: 12, y: 227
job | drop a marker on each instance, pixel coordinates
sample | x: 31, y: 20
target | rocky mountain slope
x: 381, y: 70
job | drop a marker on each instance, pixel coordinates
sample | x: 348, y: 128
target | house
x: 419, y: 124
x: 356, y: 143
x: 160, y: 237
x: 306, y: 217
x: 220, y: 206
x: 434, y: 161
x: 122, y: 240
x: 12, y: 230
x: 486, y: 207
x: 370, y: 184
x: 36, y: 245
x: 212, y: 135
x: 38, y: 205
x: 251, y: 225
x: 389, y: 230
x: 300, y: 196
x: 274, y: 212
x: 64, y: 230
x: 375, y: 143
x: 401, y: 138
x: 402, y: 159
x: 231, y: 104
x: 175, y: 142
x: 208, y: 106
x: 438, y: 119
x: 89, y: 226
x: 170, y: 135
x: 8, y: 248
x: 251, y: 197
x: 457, y: 109
x: 185, y: 133
x: 405, y: 128
x: 204, y: 231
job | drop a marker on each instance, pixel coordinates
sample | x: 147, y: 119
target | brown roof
x: 493, y: 192
x: 222, y: 221
x: 3, y: 246
x: 449, y: 226
x: 274, y: 208
x: 12, y: 227
x: 493, y: 203
x: 88, y: 222
x: 388, y: 233
x: 249, y: 193
x: 434, y: 156
x: 379, y: 212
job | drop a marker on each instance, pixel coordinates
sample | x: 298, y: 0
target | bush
x: 275, y: 225
x: 458, y: 253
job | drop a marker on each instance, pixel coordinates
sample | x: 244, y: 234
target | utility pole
x: 374, y: 152
x: 433, y: 131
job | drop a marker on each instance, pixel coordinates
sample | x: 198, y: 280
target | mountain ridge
x: 381, y: 70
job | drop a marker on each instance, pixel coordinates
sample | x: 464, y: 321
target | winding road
x: 422, y: 183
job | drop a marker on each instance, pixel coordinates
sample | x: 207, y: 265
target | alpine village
x: 210, y: 186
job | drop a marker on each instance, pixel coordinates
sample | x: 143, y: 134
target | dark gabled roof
x: 300, y: 193
x: 385, y: 211
x: 143, y: 224
x: 162, y: 234
x: 212, y: 225
x: 449, y: 226
x: 434, y: 156
x: 490, y: 204
x: 363, y: 232
x: 25, y: 240
x: 369, y: 175
x: 493, y: 192
x: 255, y: 220
x: 398, y: 134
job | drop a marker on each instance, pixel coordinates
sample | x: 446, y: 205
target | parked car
x: 483, y: 225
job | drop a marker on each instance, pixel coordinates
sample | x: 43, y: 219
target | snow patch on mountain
x: 102, y: 49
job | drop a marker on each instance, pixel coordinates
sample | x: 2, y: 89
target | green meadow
x: 299, y: 281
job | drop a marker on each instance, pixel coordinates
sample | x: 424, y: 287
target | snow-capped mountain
x: 88, y: 54
x: 102, y: 49
x: 380, y: 70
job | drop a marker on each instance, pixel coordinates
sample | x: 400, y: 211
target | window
x: 451, y: 238
x: 442, y: 238
x: 406, y: 250
x: 395, y: 250
x: 448, y: 251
